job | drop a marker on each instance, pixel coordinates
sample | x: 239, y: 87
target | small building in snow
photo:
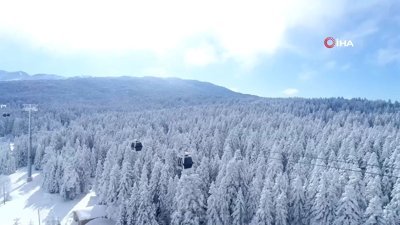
x: 85, y: 215
x: 101, y: 221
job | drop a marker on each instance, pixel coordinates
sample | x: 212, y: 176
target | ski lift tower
x: 30, y: 108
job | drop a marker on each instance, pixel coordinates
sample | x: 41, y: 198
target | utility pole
x: 4, y: 193
x: 38, y: 211
x: 30, y: 108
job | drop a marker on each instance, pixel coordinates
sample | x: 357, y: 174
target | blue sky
x: 266, y: 48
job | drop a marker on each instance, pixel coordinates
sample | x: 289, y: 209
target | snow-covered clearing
x: 28, y: 200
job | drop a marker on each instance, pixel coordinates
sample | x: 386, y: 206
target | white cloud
x: 365, y: 29
x: 387, y: 56
x: 200, y: 56
x: 306, y: 75
x: 156, y: 72
x: 290, y: 92
x: 233, y: 89
x: 242, y: 29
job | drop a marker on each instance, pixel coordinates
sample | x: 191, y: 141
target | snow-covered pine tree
x: 374, y: 188
x: 98, y: 183
x: 155, y: 185
x: 256, y: 186
x: 281, y: 209
x: 213, y: 207
x: 125, y: 182
x: 50, y: 182
x: 372, y: 168
x: 122, y: 218
x: 133, y: 205
x: 115, y: 178
x: 348, y: 211
x: 297, y: 201
x: 70, y: 187
x: 104, y: 182
x: 374, y: 213
x: 190, y: 208
x: 239, y: 212
x: 264, y: 214
x: 146, y: 214
x: 392, y: 210
x: 83, y: 167
x: 323, y: 210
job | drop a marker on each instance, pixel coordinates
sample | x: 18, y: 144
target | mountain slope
x: 20, y: 75
x: 29, y: 199
x: 132, y: 91
x: 9, y: 76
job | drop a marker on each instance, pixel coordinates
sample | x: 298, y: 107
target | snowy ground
x: 28, y: 199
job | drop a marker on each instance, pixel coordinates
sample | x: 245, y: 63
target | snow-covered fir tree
x: 190, y: 208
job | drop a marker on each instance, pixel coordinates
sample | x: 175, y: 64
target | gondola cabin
x: 137, y: 146
x: 186, y: 162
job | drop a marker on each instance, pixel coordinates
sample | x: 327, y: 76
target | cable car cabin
x: 6, y: 114
x: 137, y: 146
x: 186, y: 162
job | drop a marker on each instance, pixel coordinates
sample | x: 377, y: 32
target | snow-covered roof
x: 91, y: 212
x: 101, y: 221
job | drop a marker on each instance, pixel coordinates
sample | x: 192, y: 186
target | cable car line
x: 186, y: 161
x: 342, y: 161
x: 339, y: 168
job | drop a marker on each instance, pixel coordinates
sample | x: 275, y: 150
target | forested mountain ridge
x: 256, y: 161
x: 125, y: 92
x: 20, y: 75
